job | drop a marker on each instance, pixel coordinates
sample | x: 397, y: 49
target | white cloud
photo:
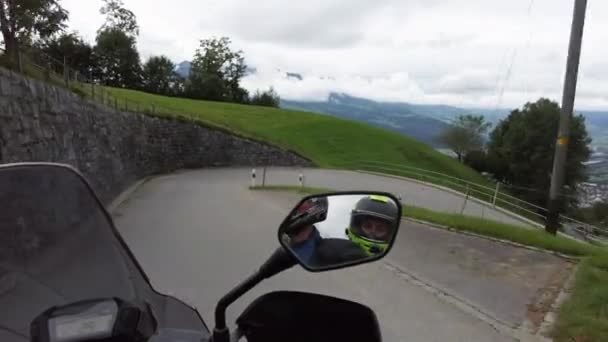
x: 452, y: 52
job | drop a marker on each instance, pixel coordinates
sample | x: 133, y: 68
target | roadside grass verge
x: 525, y: 236
x: 291, y: 188
x: 583, y: 317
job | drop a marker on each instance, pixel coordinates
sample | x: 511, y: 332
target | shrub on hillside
x: 267, y: 98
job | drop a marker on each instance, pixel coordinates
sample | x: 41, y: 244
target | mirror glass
x: 341, y: 229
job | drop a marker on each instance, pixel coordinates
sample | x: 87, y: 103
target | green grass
x: 307, y: 190
x: 327, y: 141
x: 526, y: 236
x: 584, y: 316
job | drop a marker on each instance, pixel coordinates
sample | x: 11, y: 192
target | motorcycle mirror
x: 336, y: 230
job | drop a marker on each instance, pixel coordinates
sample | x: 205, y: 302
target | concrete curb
x: 508, y: 242
x: 125, y: 195
x: 549, y: 320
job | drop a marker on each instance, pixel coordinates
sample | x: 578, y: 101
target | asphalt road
x: 198, y: 233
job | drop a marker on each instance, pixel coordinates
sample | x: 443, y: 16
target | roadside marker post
x: 252, y: 178
x: 301, y: 181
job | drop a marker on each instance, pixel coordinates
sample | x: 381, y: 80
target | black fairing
x: 305, y: 317
x: 58, y: 246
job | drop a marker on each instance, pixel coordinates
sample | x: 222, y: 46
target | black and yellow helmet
x: 378, y: 208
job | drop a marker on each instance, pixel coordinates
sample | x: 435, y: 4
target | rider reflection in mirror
x: 302, y: 235
x: 370, y: 235
x: 372, y: 222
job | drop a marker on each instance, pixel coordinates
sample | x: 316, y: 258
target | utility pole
x: 563, y: 136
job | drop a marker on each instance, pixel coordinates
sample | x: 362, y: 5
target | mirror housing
x: 300, y: 316
x: 340, y: 229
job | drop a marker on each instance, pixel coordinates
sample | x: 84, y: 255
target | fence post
x: 466, y: 198
x: 495, y: 194
x: 92, y: 84
x: 66, y: 72
x: 19, y: 60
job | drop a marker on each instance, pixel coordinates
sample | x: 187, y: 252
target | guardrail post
x: 466, y: 198
x: 496, y: 194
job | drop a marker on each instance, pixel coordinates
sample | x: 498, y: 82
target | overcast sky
x: 420, y: 51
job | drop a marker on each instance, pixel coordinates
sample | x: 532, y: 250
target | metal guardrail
x: 494, y: 197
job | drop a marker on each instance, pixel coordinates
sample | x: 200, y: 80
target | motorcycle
x: 67, y: 275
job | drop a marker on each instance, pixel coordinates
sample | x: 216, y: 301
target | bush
x: 477, y: 160
x: 267, y: 98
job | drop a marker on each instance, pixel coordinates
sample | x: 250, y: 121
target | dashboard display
x: 71, y: 329
x: 92, y: 322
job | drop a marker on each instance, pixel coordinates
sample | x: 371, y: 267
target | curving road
x: 198, y: 233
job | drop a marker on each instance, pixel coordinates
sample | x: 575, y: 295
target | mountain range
x: 425, y: 121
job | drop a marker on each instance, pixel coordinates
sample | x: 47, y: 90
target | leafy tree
x: 118, y: 59
x: 116, y: 48
x: 466, y: 134
x: 525, y: 143
x: 78, y: 54
x: 159, y: 76
x: 267, y: 98
x: 118, y: 17
x: 216, y: 72
x: 21, y: 21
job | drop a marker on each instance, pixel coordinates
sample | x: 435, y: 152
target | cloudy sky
x: 486, y: 53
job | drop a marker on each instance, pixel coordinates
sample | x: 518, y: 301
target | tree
x: 118, y: 59
x: 118, y: 17
x: 116, y: 48
x: 216, y: 72
x: 525, y: 143
x: 466, y: 134
x: 78, y: 54
x: 159, y: 76
x: 21, y: 21
x: 267, y: 98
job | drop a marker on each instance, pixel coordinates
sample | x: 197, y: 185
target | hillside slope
x: 326, y: 140
x: 415, y: 121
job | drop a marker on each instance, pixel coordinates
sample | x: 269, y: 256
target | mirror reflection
x: 328, y: 231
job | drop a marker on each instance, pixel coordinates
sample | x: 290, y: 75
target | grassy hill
x: 327, y: 141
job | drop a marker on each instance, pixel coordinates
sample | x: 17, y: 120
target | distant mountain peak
x: 294, y: 75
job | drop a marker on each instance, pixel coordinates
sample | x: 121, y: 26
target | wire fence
x: 35, y: 63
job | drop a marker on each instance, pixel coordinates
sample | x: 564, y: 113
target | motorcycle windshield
x: 58, y: 246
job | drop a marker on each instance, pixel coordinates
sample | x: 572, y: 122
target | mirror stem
x: 279, y: 261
